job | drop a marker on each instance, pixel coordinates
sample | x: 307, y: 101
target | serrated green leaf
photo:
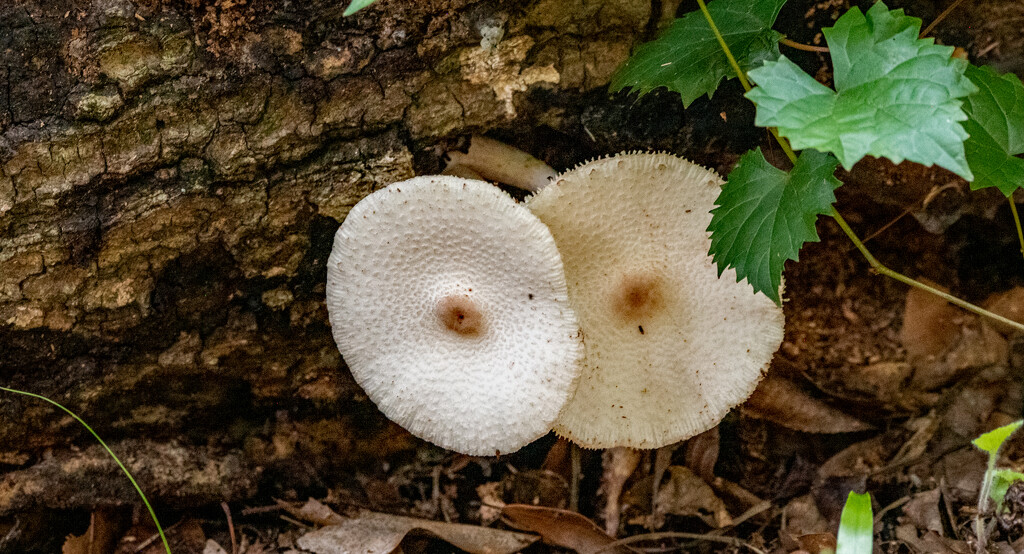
x: 765, y: 215
x: 991, y: 442
x: 356, y: 5
x: 896, y: 96
x: 995, y: 121
x: 1001, y: 481
x: 856, y: 526
x: 688, y: 59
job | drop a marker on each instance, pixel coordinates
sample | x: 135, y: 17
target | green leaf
x: 356, y: 5
x: 996, y: 125
x: 896, y: 96
x: 991, y: 442
x: 765, y: 215
x: 688, y: 59
x: 1001, y: 481
x: 856, y: 528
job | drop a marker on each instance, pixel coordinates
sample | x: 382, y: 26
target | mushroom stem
x: 618, y: 464
x: 459, y: 170
x: 497, y: 161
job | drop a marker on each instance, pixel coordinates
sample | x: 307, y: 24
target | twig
x: 934, y: 192
x: 576, y: 462
x: 231, y: 527
x: 942, y: 16
x: 891, y: 222
x: 294, y: 521
x: 152, y: 538
x: 755, y: 510
x: 804, y: 47
x: 262, y: 509
x: 734, y: 541
x: 890, y: 507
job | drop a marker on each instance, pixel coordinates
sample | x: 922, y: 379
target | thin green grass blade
x: 356, y: 5
x: 138, y: 489
x: 856, y: 526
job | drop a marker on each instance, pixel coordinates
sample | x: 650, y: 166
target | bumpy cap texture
x: 671, y: 347
x: 448, y: 302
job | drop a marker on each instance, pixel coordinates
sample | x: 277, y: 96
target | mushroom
x: 496, y: 161
x: 671, y: 346
x: 448, y: 302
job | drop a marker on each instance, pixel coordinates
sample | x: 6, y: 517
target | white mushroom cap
x: 448, y: 302
x: 670, y: 346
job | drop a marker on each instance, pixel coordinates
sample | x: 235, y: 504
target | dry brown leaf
x: 558, y: 458
x: 737, y: 497
x: 490, y: 502
x: 882, y: 380
x: 930, y: 542
x: 980, y: 345
x: 862, y: 458
x: 213, y: 548
x: 930, y: 325
x: 801, y: 517
x: 185, y: 536
x: 817, y: 543
x: 923, y: 430
x: 313, y: 511
x: 781, y: 401
x: 617, y: 464
x: 376, y: 533
x: 942, y: 341
x: 702, y: 453
x: 922, y: 511
x: 105, y: 526
x: 1009, y: 304
x: 686, y: 494
x: 538, y: 487
x: 560, y: 528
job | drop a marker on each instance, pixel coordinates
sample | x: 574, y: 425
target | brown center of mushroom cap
x: 459, y: 314
x: 638, y: 297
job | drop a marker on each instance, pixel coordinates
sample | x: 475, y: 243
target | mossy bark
x: 171, y: 176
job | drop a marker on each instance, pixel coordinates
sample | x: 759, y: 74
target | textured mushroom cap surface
x: 448, y: 302
x: 670, y: 346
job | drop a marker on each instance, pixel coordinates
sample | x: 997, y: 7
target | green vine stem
x: 1016, y: 221
x: 138, y: 489
x: 875, y: 264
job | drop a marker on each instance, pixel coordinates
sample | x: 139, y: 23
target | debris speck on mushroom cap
x: 448, y: 302
x: 671, y: 347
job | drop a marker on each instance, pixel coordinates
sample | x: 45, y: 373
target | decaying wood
x: 171, y: 176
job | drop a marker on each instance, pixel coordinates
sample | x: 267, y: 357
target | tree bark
x: 171, y: 177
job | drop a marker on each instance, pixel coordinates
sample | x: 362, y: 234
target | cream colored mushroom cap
x: 448, y: 302
x: 671, y: 347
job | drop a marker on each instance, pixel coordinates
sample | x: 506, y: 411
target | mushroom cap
x: 448, y: 301
x: 670, y: 346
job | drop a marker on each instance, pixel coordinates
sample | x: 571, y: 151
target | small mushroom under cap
x: 448, y: 302
x: 670, y: 346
